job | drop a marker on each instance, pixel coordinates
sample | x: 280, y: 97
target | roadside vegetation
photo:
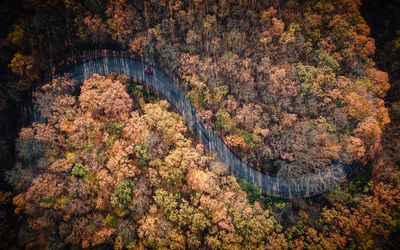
x: 290, y: 86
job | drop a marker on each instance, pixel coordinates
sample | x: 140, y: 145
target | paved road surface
x: 283, y: 187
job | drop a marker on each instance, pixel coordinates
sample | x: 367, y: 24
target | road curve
x: 282, y: 187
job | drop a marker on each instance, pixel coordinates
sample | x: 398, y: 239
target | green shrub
x: 323, y: 58
x: 46, y: 202
x: 137, y: 90
x: 79, y: 170
x: 115, y: 128
x: 254, y: 194
x: 122, y: 194
x: 220, y: 92
x: 341, y: 103
x: 110, y: 141
x: 111, y: 221
x: 248, y: 138
x: 367, y: 83
x: 144, y: 155
x: 306, y: 74
x: 89, y: 146
x: 331, y: 127
x: 132, y: 245
x: 252, y: 190
x: 224, y: 121
x: 226, y: 57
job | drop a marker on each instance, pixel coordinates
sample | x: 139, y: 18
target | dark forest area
x: 291, y: 87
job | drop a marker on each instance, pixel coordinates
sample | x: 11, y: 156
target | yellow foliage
x: 100, y: 237
x: 235, y: 140
x: 381, y: 112
x: 356, y: 148
x: 66, y: 126
x: 70, y: 157
x: 168, y: 124
x: 19, y: 202
x: 61, y: 202
x: 379, y: 81
x: 100, y: 204
x: 121, y: 212
x: 197, y: 179
x: 19, y: 64
x: 195, y: 82
x: 260, y: 131
x: 4, y: 197
x: 289, y: 35
x: 358, y: 106
x: 118, y: 245
x: 16, y: 36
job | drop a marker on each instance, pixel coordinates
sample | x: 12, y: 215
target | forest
x: 291, y: 87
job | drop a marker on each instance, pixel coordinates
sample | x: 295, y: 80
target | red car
x: 148, y: 71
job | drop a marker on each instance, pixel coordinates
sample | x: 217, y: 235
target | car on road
x: 148, y: 71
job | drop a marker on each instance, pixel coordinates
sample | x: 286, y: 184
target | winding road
x: 282, y: 187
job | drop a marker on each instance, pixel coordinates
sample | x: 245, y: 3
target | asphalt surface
x: 283, y: 187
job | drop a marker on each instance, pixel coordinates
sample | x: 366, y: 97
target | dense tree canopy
x: 290, y: 86
x: 307, y: 77
x: 130, y: 175
x: 124, y: 175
